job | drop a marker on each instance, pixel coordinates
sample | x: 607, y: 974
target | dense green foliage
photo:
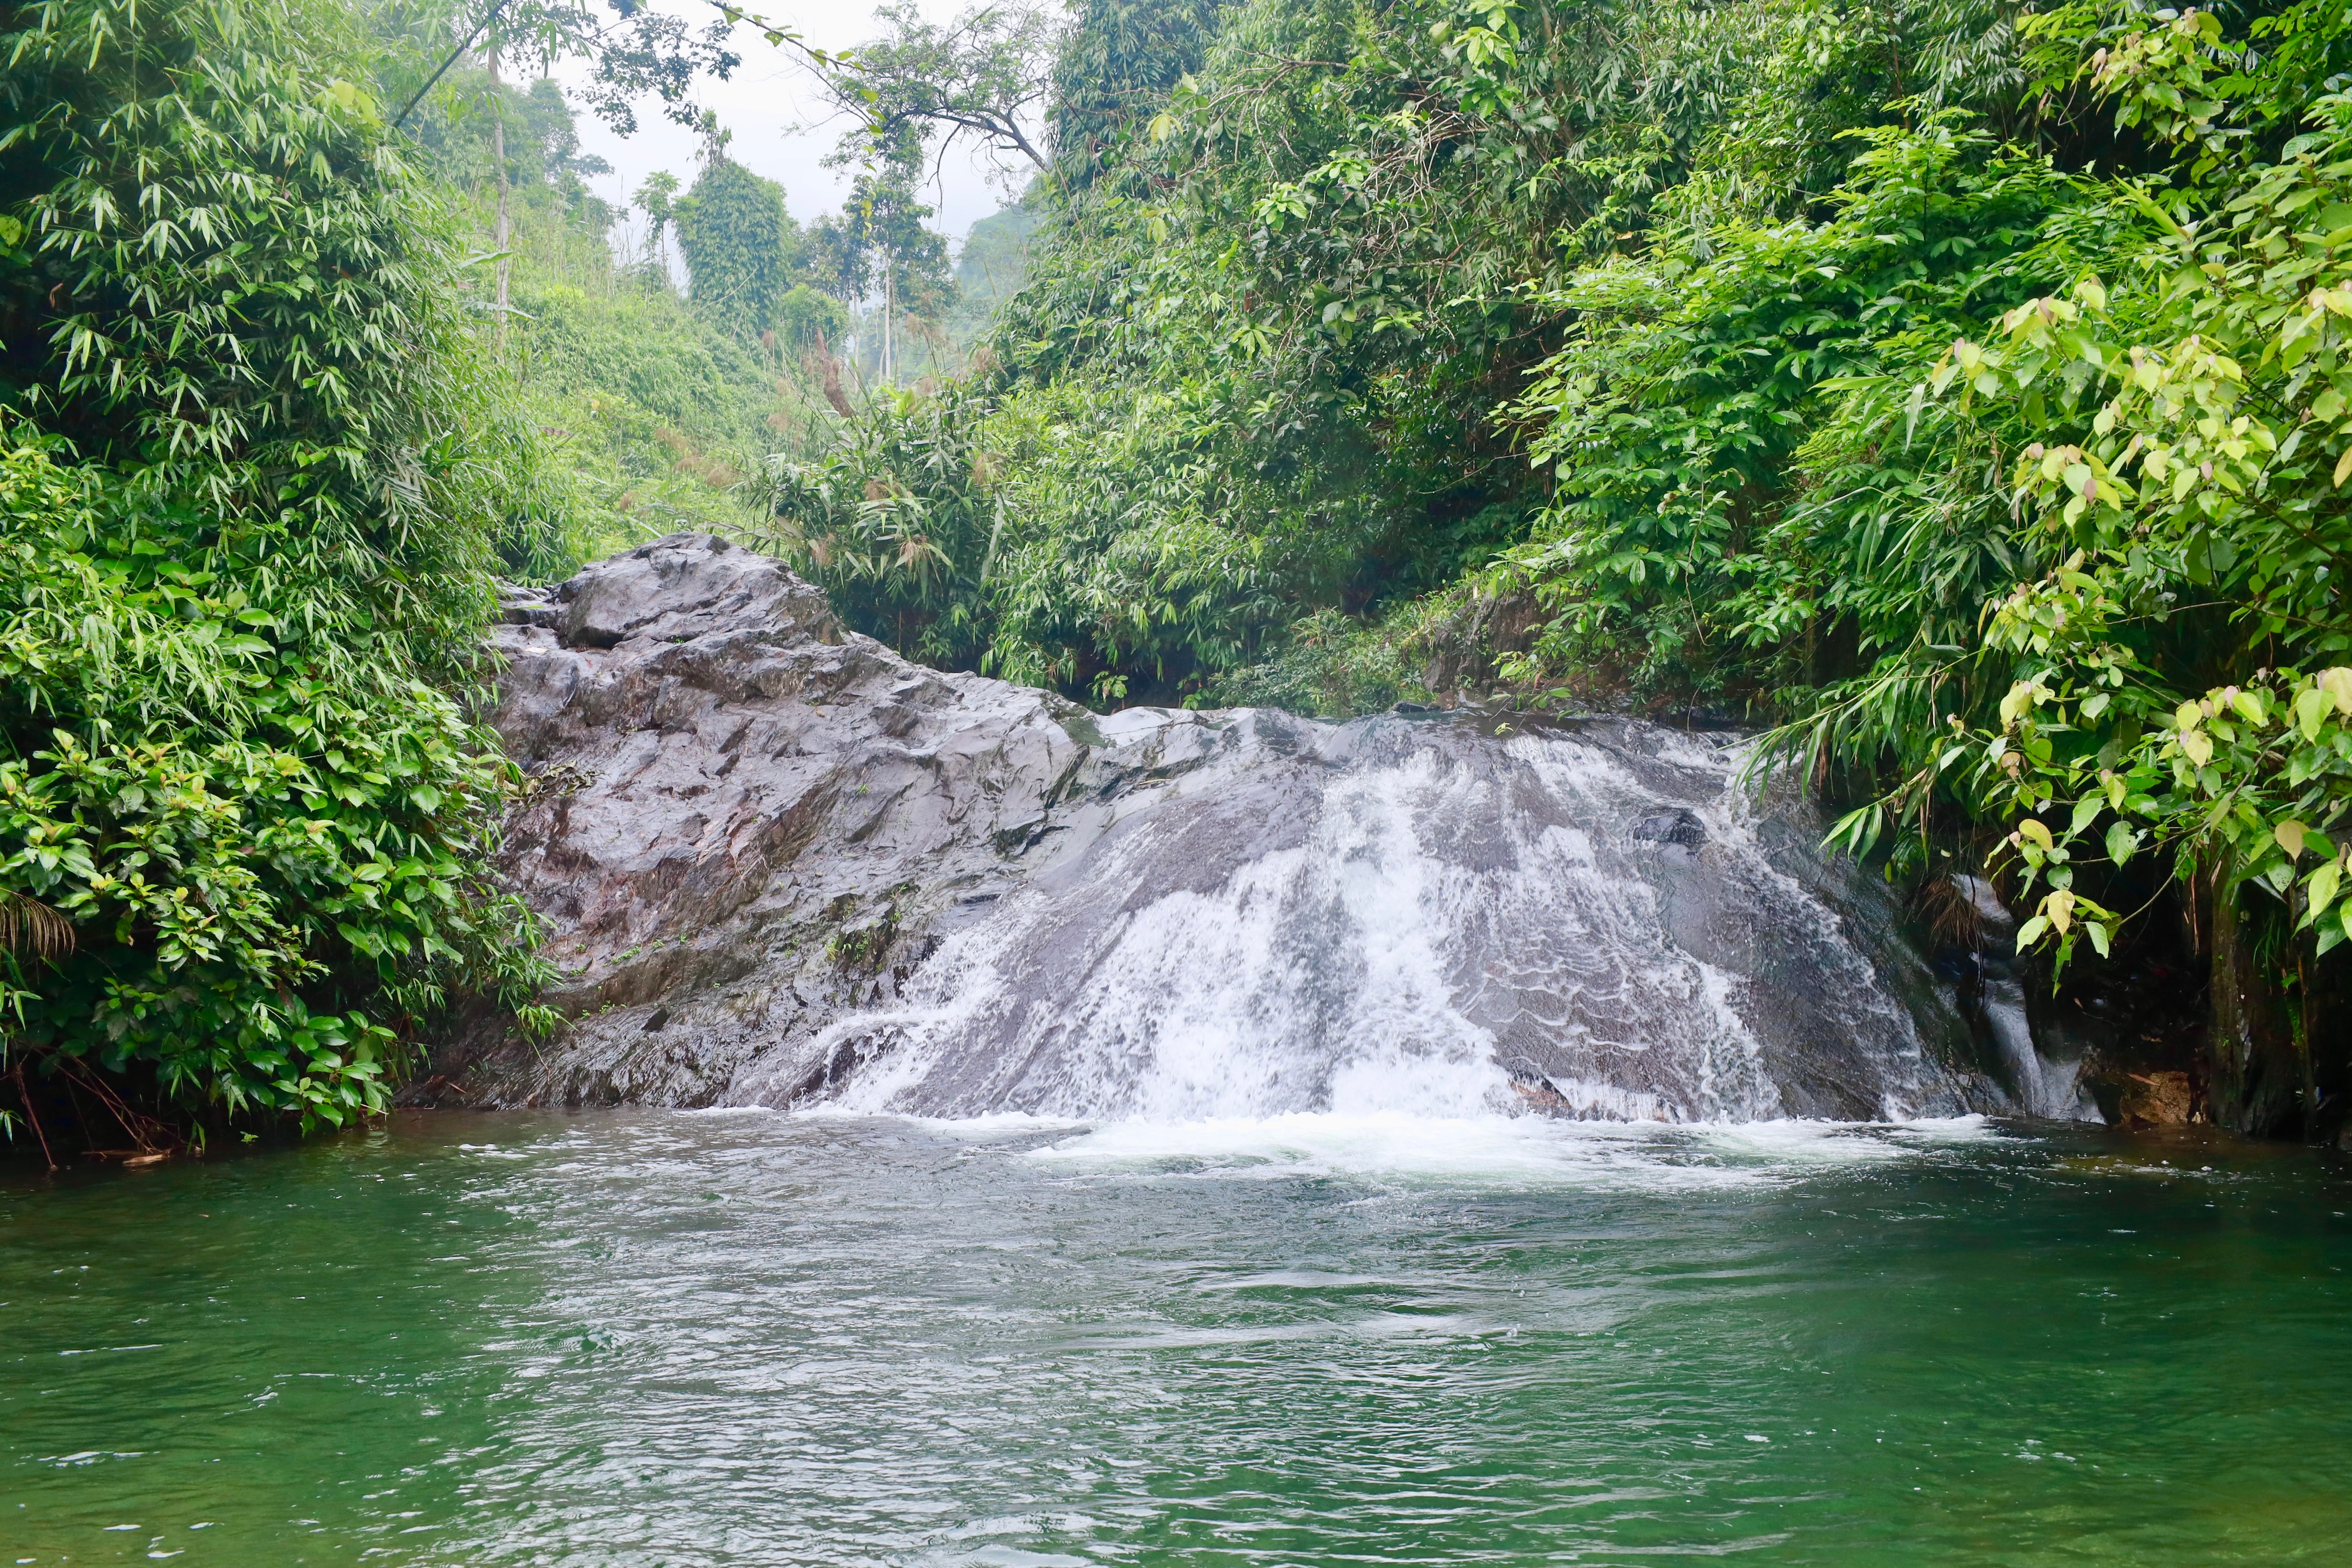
x: 2180, y: 449
x: 742, y: 248
x: 251, y: 476
x: 1263, y: 361
x: 650, y: 411
x: 1957, y: 388
x: 1115, y: 70
x: 1955, y: 384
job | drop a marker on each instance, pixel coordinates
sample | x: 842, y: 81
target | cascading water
x: 2043, y: 1088
x: 1417, y: 917
x: 780, y: 867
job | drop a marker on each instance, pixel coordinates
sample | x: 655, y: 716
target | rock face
x: 745, y: 821
x: 781, y: 865
x: 2157, y: 1099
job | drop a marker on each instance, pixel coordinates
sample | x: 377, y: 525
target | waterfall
x: 1434, y: 917
x: 2043, y: 1088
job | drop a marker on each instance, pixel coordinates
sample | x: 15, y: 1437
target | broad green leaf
x: 2311, y: 706
x: 2086, y: 810
x: 2319, y: 889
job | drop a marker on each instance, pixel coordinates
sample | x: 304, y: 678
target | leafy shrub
x: 246, y: 505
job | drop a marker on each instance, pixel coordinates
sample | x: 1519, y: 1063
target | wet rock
x: 745, y: 821
x: 1679, y: 827
x: 2156, y: 1100
x: 777, y: 863
x: 526, y: 607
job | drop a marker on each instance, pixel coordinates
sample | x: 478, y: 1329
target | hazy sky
x: 779, y: 118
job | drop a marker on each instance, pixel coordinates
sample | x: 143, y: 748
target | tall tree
x: 984, y: 76
x: 1115, y: 67
x: 657, y: 197
x: 742, y: 250
x: 878, y: 245
x: 632, y: 53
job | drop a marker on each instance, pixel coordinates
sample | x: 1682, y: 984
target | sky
x: 780, y: 119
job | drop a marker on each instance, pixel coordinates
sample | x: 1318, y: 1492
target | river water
x: 755, y: 1338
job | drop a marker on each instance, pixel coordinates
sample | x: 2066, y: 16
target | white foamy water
x: 1493, y: 1150
x: 2043, y: 1088
x: 1516, y: 1152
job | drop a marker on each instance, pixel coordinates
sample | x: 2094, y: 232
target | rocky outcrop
x: 743, y: 820
x: 778, y: 863
x: 2157, y: 1099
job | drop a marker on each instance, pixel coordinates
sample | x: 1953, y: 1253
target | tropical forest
x: 1175, y: 781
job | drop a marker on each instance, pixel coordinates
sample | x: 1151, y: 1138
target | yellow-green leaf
x: 2319, y: 891
x: 2310, y: 709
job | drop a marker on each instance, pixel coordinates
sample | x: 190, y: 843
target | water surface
x: 751, y: 1339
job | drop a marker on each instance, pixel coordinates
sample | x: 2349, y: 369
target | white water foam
x: 1496, y: 1151
x: 1309, y: 978
x: 2045, y: 1088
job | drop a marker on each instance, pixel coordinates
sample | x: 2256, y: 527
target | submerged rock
x: 1680, y: 828
x: 780, y: 866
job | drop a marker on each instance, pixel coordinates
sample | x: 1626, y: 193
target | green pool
x: 750, y: 1339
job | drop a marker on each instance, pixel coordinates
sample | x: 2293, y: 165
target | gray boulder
x: 744, y: 821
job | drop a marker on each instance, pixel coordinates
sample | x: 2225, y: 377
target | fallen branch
x: 25, y: 1093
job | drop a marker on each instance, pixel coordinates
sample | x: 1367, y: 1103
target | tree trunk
x: 2255, y: 1076
x: 503, y: 227
x: 831, y: 369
